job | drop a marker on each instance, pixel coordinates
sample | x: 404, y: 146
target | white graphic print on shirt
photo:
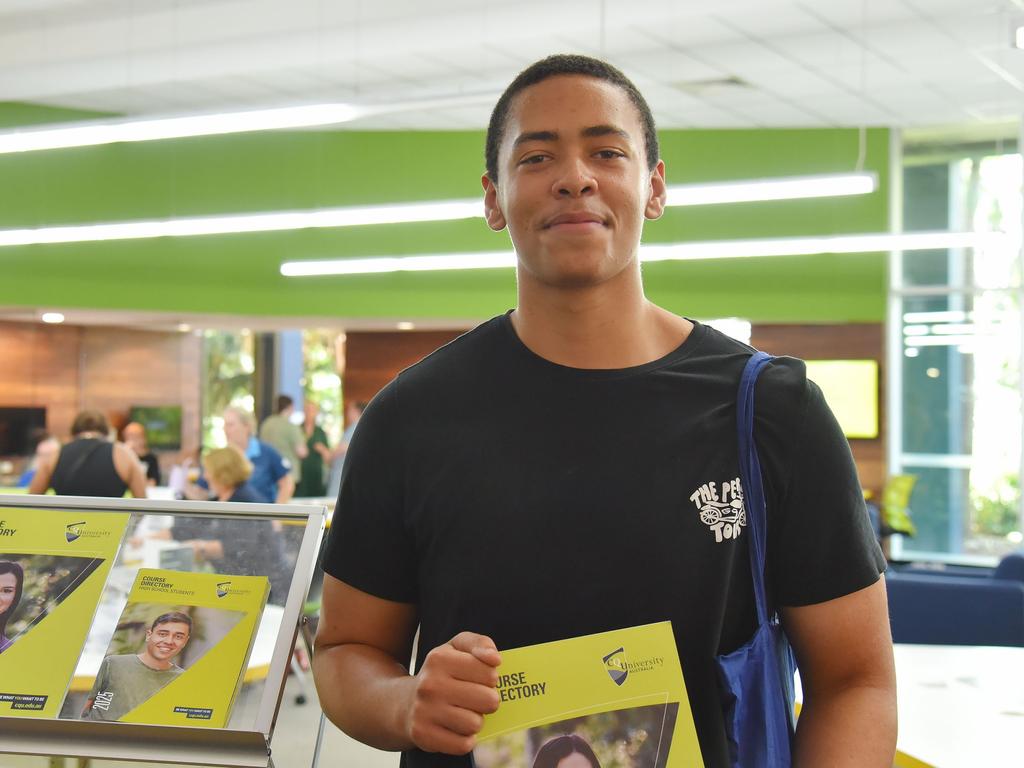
x: 721, y: 508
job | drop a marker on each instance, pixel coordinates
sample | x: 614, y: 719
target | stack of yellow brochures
x: 52, y: 571
x: 614, y: 698
x: 179, y: 652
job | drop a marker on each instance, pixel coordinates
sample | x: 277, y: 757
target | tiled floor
x: 292, y: 746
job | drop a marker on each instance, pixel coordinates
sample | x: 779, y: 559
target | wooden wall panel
x: 41, y: 368
x: 65, y: 369
x: 122, y: 368
x: 859, y: 341
x: 373, y: 358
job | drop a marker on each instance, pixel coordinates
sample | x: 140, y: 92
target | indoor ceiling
x: 701, y: 63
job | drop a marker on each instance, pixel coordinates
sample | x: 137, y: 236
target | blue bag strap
x: 750, y: 477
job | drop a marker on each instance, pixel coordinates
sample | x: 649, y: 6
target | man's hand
x: 454, y: 689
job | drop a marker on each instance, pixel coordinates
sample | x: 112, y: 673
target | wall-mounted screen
x: 162, y: 423
x: 851, y: 391
x: 17, y: 427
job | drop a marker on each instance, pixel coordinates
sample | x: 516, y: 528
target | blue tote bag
x: 757, y: 678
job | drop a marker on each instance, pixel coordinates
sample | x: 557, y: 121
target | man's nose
x: 575, y: 179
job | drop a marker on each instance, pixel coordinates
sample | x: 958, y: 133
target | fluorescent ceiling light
x: 151, y: 129
x: 784, y: 188
x: 714, y: 249
x: 239, y: 223
x: 93, y: 132
x: 1018, y: 37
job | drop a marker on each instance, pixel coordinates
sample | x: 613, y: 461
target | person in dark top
x: 572, y: 467
x: 134, y: 436
x: 91, y: 465
x: 312, y: 481
x: 236, y: 546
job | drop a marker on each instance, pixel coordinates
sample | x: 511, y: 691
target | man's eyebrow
x: 535, y: 136
x: 604, y: 130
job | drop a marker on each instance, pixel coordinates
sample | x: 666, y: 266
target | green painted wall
x: 296, y: 170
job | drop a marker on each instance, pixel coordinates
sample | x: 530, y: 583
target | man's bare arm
x: 844, y: 649
x: 360, y: 666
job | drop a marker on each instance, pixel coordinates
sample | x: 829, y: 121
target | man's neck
x: 149, y: 661
x: 598, y: 327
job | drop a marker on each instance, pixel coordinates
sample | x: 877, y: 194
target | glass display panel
x: 128, y: 616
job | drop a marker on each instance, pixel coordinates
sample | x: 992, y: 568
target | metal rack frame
x: 232, y: 748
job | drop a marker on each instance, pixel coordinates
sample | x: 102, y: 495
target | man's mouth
x: 579, y: 220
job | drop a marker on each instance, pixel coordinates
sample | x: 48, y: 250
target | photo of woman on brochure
x: 12, y: 581
x: 635, y: 737
x: 32, y: 585
x: 568, y: 751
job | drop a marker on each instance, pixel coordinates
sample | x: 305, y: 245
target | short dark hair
x: 566, y: 64
x: 90, y: 421
x: 282, y: 402
x: 557, y: 749
x: 174, y: 617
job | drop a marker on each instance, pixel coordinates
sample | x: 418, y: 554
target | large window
x: 956, y: 354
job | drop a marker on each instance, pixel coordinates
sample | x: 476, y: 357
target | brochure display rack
x: 149, y: 631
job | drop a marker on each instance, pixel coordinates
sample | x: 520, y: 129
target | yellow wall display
x: 53, y: 568
x: 619, y: 691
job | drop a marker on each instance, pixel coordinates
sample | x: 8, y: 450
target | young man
x: 126, y: 681
x: 542, y: 477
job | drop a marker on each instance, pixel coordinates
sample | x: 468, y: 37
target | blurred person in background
x: 287, y: 438
x: 45, y: 447
x: 319, y: 454
x: 270, y: 478
x: 91, y: 465
x: 134, y: 436
x: 245, y: 547
x: 353, y: 411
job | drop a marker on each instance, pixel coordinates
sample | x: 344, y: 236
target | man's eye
x: 532, y: 160
x: 609, y: 154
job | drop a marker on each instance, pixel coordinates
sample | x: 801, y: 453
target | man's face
x: 8, y: 588
x: 235, y: 431
x: 166, y: 640
x: 573, y: 183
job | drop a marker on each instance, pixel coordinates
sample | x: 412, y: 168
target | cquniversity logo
x: 73, y: 531
x: 615, y: 666
x: 223, y: 588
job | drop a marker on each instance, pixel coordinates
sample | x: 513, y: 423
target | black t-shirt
x: 152, y: 467
x: 85, y: 467
x: 507, y: 495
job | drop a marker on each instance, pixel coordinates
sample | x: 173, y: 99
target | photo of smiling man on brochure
x: 127, y: 680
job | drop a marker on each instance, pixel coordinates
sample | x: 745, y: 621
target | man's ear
x: 492, y: 211
x: 659, y: 193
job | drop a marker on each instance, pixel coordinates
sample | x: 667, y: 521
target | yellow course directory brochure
x: 180, y: 648
x: 53, y: 566
x: 614, y: 698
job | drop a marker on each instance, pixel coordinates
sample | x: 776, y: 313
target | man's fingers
x: 479, y: 646
x: 431, y: 737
